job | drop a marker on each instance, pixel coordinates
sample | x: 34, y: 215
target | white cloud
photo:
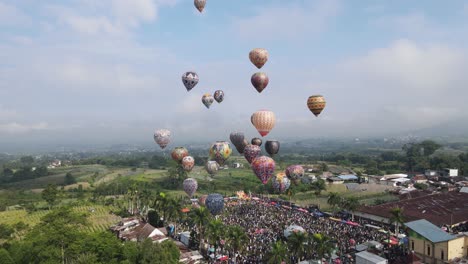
x: 15, y: 128
x: 285, y: 21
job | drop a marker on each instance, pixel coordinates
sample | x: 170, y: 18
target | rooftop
x: 348, y: 177
x: 429, y: 231
x: 369, y: 256
x: 448, y: 208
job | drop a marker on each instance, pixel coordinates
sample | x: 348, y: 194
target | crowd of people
x: 265, y: 223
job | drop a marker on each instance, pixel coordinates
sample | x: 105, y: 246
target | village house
x: 133, y: 229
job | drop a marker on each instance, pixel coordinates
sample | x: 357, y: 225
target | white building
x: 365, y: 257
x: 449, y: 172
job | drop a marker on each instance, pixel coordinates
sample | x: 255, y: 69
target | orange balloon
x: 316, y: 104
x: 264, y: 121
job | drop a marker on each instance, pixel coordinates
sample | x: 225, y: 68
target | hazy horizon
x: 88, y: 72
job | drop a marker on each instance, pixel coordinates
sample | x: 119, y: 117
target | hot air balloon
x: 259, y: 81
x: 256, y: 141
x: 202, y: 199
x: 200, y: 5
x: 236, y: 138
x: 187, y: 163
x: 220, y: 152
x: 178, y: 153
x: 258, y: 57
x: 214, y: 203
x: 190, y: 79
x: 263, y: 167
x: 272, y: 147
x: 212, y: 167
x: 264, y: 121
x: 293, y: 229
x: 251, y: 152
x: 190, y: 186
x: 240, y: 147
x: 280, y: 182
x: 316, y: 104
x: 162, y: 137
x: 294, y: 172
x: 219, y: 96
x: 207, y: 100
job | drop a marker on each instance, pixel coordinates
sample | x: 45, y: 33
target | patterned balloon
x: 272, y: 147
x: 263, y: 167
x: 258, y: 57
x: 264, y: 121
x: 162, y: 137
x: 178, y: 153
x: 294, y: 172
x: 207, y: 100
x: 214, y: 203
x: 199, y: 4
x: 220, y: 152
x: 190, y: 79
x: 256, y: 141
x: 280, y: 182
x: 241, y: 147
x: 259, y: 81
x: 219, y: 96
x: 190, y: 186
x: 187, y: 163
x: 251, y: 152
x: 316, y: 104
x: 212, y: 167
x: 202, y: 199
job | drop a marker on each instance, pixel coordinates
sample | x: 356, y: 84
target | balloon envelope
x: 260, y: 81
x: 293, y: 229
x: 162, y: 137
x: 187, y: 163
x: 214, y: 203
x: 178, y: 153
x: 236, y: 138
x: 190, y: 186
x: 264, y: 121
x: 220, y: 152
x: 212, y: 167
x: 280, y: 182
x: 202, y: 199
x: 218, y: 96
x: 294, y: 172
x: 256, y: 141
x: 316, y: 104
x: 272, y: 147
x: 258, y: 57
x: 251, y: 152
x: 207, y: 100
x: 190, y: 79
x: 199, y: 4
x: 263, y: 167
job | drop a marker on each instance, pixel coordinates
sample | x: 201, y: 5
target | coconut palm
x: 322, y: 245
x: 215, y: 232
x: 334, y: 199
x: 396, y: 218
x: 351, y: 204
x: 297, y: 244
x: 236, y: 239
x: 200, y: 217
x: 277, y: 254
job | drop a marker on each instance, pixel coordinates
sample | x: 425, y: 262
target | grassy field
x: 99, y: 220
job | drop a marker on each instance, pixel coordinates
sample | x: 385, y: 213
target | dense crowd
x: 265, y: 224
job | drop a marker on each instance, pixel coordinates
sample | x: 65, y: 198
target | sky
x: 109, y: 71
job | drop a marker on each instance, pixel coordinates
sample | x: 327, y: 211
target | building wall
x: 457, y: 247
x: 372, y: 217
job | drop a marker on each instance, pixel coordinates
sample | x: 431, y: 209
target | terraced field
x: 98, y: 216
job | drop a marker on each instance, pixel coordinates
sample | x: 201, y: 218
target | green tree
x: 69, y: 179
x: 277, y: 254
x: 5, y: 257
x: 6, y: 231
x: 351, y: 204
x: 334, y: 199
x: 236, y: 239
x: 200, y: 217
x: 297, y: 244
x: 27, y: 160
x: 396, y: 218
x: 322, y: 245
x: 215, y: 232
x: 318, y: 186
x: 50, y: 194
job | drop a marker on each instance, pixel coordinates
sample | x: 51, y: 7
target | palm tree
x: 215, y: 232
x: 322, y: 245
x: 296, y: 243
x: 334, y: 199
x: 236, y: 239
x: 277, y: 254
x: 200, y: 217
x: 396, y: 218
x: 351, y: 204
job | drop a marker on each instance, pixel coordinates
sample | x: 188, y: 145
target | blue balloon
x: 215, y: 203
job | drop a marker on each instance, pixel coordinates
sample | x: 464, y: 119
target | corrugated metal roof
x: 370, y: 257
x: 429, y: 231
x: 464, y: 190
x: 348, y: 177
